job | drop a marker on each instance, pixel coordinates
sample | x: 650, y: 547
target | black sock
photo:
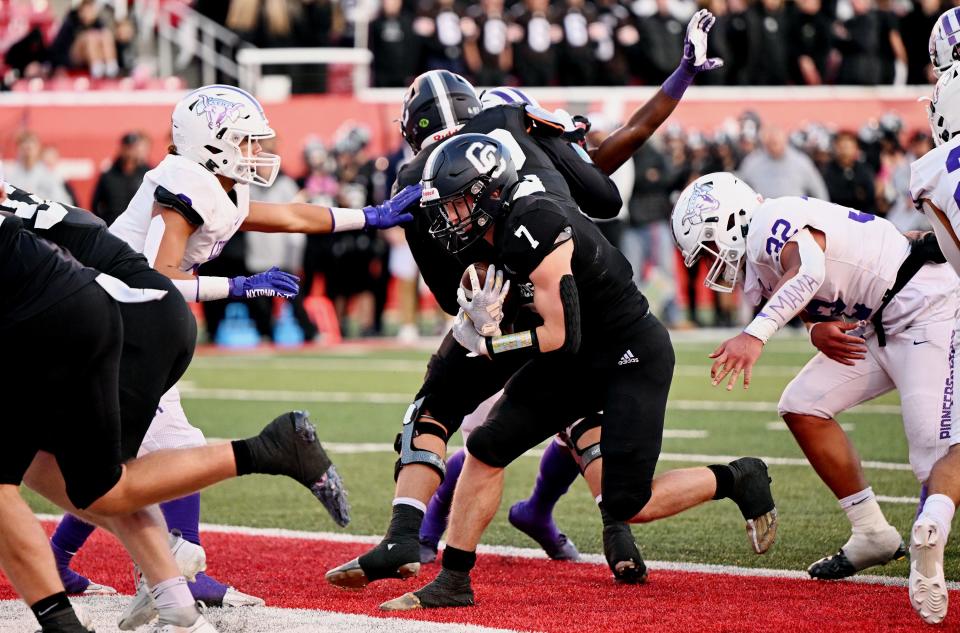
x: 724, y: 480
x: 458, y: 559
x: 243, y: 457
x: 405, y: 523
x: 53, y: 611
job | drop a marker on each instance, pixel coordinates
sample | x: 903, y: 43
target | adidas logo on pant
x: 628, y: 358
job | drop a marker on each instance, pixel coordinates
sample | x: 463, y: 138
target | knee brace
x: 583, y: 456
x: 415, y: 424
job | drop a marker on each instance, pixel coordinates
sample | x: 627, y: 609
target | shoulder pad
x: 542, y: 122
x: 180, y: 203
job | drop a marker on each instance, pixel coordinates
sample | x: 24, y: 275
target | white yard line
x: 188, y: 390
x: 526, y: 552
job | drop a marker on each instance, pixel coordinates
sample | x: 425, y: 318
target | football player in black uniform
x: 82, y: 468
x: 437, y: 106
x: 598, y: 349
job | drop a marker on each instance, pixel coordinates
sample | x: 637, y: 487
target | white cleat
x: 234, y: 598
x: 191, y: 560
x: 200, y: 626
x: 928, y: 587
x: 96, y: 589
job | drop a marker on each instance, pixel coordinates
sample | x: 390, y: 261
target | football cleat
x: 861, y: 551
x: 556, y: 545
x: 200, y: 626
x: 234, y: 598
x: 448, y: 589
x: 82, y: 615
x: 289, y: 446
x: 752, y: 494
x: 191, y: 560
x: 623, y: 555
x: 386, y: 560
x: 928, y: 587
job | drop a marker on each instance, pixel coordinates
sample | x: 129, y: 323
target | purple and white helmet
x: 944, y: 39
x: 505, y: 96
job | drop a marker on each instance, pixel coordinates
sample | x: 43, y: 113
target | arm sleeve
x: 796, y: 293
x: 594, y: 192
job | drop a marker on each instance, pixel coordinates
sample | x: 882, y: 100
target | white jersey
x: 936, y: 177
x: 863, y: 255
x: 222, y: 213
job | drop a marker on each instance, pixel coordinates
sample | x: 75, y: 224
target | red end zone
x: 532, y: 594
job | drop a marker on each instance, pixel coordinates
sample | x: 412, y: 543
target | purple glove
x: 391, y: 212
x: 272, y: 283
x: 694, y: 58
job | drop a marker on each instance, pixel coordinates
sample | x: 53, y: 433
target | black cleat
x: 622, y: 554
x: 386, y: 560
x: 752, y: 494
x: 448, y: 589
x: 859, y: 553
x: 289, y: 446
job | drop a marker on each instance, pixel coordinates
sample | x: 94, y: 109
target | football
x: 481, y: 268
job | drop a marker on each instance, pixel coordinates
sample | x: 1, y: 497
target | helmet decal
x: 484, y: 158
x: 700, y: 201
x: 217, y: 110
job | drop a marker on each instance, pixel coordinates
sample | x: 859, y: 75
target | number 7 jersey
x: 863, y: 254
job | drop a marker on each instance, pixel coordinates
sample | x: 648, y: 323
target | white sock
x: 174, y: 602
x: 410, y: 501
x: 111, y: 68
x: 864, y: 512
x: 939, y: 509
x: 97, y: 69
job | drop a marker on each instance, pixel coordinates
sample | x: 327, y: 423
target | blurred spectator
x: 915, y: 30
x: 776, y: 169
x: 600, y: 128
x: 902, y: 212
x: 284, y: 250
x: 647, y: 241
x: 809, y: 41
x: 50, y: 158
x: 486, y: 45
x: 396, y: 48
x: 611, y: 33
x: 535, y: 39
x: 403, y: 268
x: 576, y: 53
x: 439, y: 26
x: 661, y: 44
x: 737, y: 30
x: 769, y: 55
x: 849, y: 180
x: 859, y: 41
x: 28, y: 172
x: 84, y: 41
x: 118, y: 184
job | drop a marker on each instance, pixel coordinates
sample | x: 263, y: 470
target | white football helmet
x: 712, y: 216
x: 943, y: 110
x: 944, y: 39
x: 217, y: 126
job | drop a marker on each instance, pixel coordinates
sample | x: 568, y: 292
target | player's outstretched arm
x: 804, y: 264
x: 617, y: 148
x: 299, y: 217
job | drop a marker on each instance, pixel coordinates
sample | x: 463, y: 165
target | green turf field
x: 361, y: 397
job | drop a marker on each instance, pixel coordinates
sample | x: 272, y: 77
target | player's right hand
x: 485, y: 305
x: 695, y: 43
x: 465, y: 333
x: 271, y: 283
x: 830, y: 339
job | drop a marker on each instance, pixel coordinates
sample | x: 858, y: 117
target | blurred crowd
x: 866, y: 169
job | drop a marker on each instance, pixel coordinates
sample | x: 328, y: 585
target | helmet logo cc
x: 217, y: 110
x: 700, y: 201
x: 484, y: 158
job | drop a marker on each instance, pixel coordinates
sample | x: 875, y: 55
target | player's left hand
x: 695, y: 43
x: 485, y: 305
x: 270, y: 283
x: 735, y: 355
x: 392, y: 212
x: 465, y: 333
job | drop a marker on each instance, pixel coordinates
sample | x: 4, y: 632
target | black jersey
x: 80, y: 232
x: 547, y: 159
x: 34, y: 274
x: 610, y: 303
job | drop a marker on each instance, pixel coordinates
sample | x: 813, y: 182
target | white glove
x: 485, y: 305
x: 466, y: 334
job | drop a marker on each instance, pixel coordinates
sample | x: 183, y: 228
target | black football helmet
x: 466, y: 183
x: 436, y: 104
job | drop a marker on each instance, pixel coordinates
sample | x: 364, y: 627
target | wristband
x: 203, y: 288
x: 511, y: 342
x: 347, y: 219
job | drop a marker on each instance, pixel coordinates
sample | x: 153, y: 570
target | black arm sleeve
x: 592, y: 190
x: 182, y: 206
